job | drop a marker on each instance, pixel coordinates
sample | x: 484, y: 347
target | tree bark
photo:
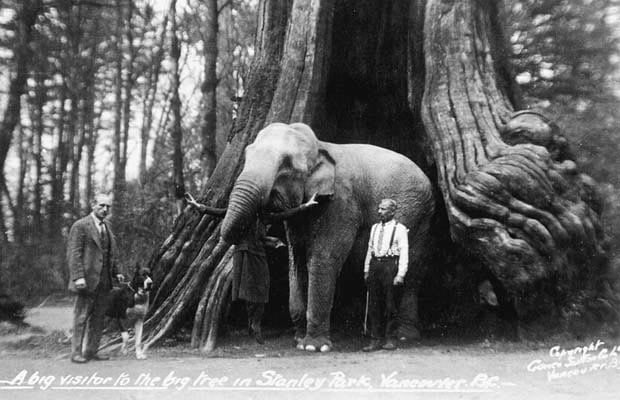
x: 59, y: 167
x: 528, y: 216
x: 209, y: 88
x: 355, y: 72
x: 119, y: 172
x: 176, y: 131
x: 39, y: 102
x: 183, y: 265
x: 128, y: 86
x: 19, y: 212
x: 75, y: 81
x: 92, y: 137
x: 25, y: 18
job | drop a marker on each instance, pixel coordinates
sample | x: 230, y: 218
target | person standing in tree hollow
x: 251, y: 277
x: 385, y: 267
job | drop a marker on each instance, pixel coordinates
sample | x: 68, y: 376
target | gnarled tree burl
x: 428, y: 79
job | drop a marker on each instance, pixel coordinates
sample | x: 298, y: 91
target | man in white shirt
x: 385, y: 268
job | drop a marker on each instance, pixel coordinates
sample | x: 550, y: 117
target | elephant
x: 284, y: 166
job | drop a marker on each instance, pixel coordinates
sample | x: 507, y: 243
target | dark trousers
x: 88, y: 318
x: 382, y: 298
x: 255, y: 315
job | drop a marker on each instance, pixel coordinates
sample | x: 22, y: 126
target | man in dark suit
x: 91, y: 253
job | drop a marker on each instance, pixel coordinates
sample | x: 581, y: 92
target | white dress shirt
x: 400, y: 246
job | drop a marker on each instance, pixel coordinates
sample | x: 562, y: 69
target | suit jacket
x: 85, y: 253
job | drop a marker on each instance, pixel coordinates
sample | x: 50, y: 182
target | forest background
x: 137, y: 98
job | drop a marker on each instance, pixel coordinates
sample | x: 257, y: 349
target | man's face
x: 101, y: 206
x: 385, y: 211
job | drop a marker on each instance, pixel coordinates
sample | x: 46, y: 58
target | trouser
x: 88, y: 317
x: 255, y: 315
x: 382, y: 298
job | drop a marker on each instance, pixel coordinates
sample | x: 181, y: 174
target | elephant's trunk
x: 245, y: 200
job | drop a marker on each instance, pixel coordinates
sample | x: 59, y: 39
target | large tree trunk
x: 184, y: 264
x: 521, y: 208
x: 25, y: 19
x: 355, y: 72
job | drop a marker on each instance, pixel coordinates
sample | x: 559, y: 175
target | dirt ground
x: 36, y: 365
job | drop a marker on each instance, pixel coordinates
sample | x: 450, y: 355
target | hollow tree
x: 426, y: 78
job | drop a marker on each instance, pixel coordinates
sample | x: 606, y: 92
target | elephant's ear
x: 322, y: 177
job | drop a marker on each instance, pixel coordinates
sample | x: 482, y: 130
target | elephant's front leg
x: 298, y: 286
x: 298, y: 294
x: 325, y: 260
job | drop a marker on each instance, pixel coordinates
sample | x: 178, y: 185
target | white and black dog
x: 128, y: 305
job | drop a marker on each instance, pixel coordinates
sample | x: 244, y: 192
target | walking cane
x: 366, y: 316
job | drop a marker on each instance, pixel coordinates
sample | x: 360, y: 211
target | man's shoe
x: 78, y: 359
x: 98, y: 357
x: 373, y: 346
x: 389, y: 345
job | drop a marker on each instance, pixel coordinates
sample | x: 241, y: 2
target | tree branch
x: 223, y: 6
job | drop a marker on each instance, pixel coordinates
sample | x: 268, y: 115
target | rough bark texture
x: 183, y: 266
x: 355, y: 71
x: 528, y: 214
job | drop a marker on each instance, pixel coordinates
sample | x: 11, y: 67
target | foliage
x: 564, y: 48
x: 62, y: 152
x: 566, y: 55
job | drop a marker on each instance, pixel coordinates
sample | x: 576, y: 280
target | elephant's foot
x: 320, y: 343
x: 299, y: 343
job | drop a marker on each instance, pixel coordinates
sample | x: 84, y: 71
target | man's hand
x: 80, y: 283
x: 120, y: 278
x: 398, y: 280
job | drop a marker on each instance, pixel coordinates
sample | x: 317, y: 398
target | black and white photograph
x: 309, y: 199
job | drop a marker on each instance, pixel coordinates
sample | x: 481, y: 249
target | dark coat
x: 250, y: 268
x: 85, y: 253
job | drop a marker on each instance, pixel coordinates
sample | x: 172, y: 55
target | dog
x: 128, y: 304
